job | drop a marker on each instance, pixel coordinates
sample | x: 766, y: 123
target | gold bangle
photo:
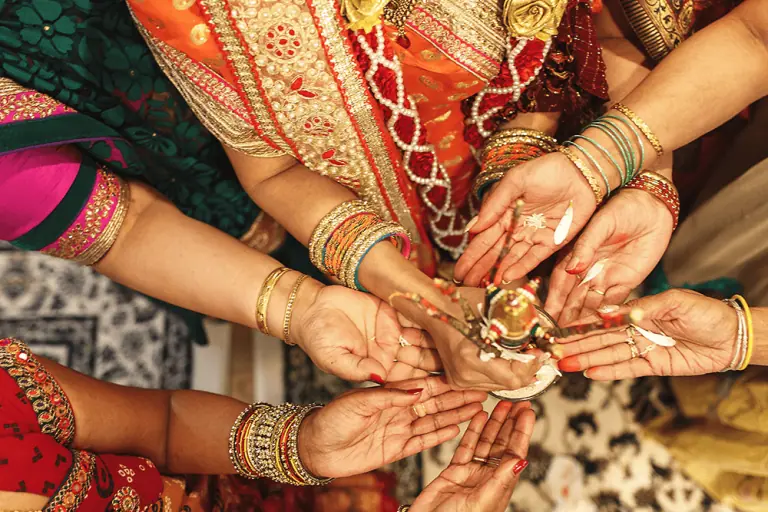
x: 750, y: 331
x: 585, y: 171
x: 262, y: 303
x: 328, y: 225
x: 289, y: 309
x: 360, y: 247
x: 642, y: 126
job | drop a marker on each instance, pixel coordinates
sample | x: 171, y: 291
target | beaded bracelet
x: 262, y: 302
x: 660, y: 188
x: 585, y: 171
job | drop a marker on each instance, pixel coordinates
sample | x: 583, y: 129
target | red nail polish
x: 377, y: 378
x: 520, y: 466
x: 416, y: 391
x: 569, y: 364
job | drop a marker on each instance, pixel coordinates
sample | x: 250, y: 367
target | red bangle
x: 660, y: 188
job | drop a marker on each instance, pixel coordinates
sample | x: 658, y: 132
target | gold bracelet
x: 238, y: 453
x: 750, y: 331
x: 642, y: 126
x: 289, y: 309
x: 585, y: 171
x: 262, y: 303
x: 328, y: 225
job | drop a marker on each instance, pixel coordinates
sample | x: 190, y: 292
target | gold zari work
x: 17, y: 105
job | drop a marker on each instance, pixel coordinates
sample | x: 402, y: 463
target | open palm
x: 365, y: 429
x: 628, y: 236
x: 358, y: 337
x: 705, y: 331
x: 547, y: 185
x: 467, y: 485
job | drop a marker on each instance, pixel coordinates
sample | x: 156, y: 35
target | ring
x: 647, y: 349
x: 597, y: 291
x: 632, y: 344
x: 481, y: 460
x: 420, y: 410
x: 493, y: 461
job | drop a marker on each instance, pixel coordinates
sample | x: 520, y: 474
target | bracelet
x: 328, y: 225
x: 585, y: 171
x: 750, y: 331
x: 262, y: 303
x: 350, y: 266
x: 237, y: 448
x: 640, y: 124
x: 741, y: 337
x: 289, y: 309
x: 403, y: 508
x: 660, y: 188
x: 525, y: 135
x: 569, y: 144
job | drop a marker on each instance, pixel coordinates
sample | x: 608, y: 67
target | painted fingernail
x: 573, y: 266
x: 520, y: 466
x: 377, y: 378
x: 415, y: 391
x: 470, y: 224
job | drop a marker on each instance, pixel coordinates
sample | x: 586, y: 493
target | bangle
x: 750, y: 331
x: 262, y: 303
x: 585, y: 171
x: 327, y: 226
x: 289, y: 309
x: 741, y: 337
x: 350, y: 266
x: 403, y: 508
x: 592, y: 161
x: 660, y: 188
x: 640, y: 124
x: 238, y: 454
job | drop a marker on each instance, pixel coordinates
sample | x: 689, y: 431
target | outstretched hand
x: 547, y: 185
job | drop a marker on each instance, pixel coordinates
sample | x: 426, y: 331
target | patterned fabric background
x: 82, y: 319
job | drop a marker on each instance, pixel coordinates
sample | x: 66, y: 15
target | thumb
x: 355, y: 368
x: 499, y: 488
x: 371, y: 401
x: 587, y: 244
x: 493, y: 208
x: 647, y: 308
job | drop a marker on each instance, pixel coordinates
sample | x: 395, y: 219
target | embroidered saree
x: 37, y: 429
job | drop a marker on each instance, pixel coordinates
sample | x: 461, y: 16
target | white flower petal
x: 564, y: 226
x: 658, y: 339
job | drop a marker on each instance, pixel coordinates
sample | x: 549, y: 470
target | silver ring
x: 644, y: 352
x: 494, y: 462
x: 632, y: 344
x: 597, y: 291
x: 481, y: 460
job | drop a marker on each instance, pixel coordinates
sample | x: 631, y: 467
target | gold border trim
x: 647, y: 19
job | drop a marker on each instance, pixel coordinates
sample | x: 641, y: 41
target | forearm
x: 167, y: 255
x: 542, y: 121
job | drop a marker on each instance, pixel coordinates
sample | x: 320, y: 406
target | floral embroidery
x: 75, y: 489
x: 19, y: 104
x: 94, y: 231
x: 46, y: 27
x: 534, y: 18
x: 50, y: 403
x: 363, y: 14
x: 126, y: 500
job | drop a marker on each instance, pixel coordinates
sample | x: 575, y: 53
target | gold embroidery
x: 126, y: 499
x: 467, y: 85
x: 431, y: 83
x: 200, y: 34
x: 48, y: 400
x: 183, y: 5
x: 419, y: 98
x: 265, y: 234
x: 468, y: 32
x: 458, y: 97
x: 24, y: 107
x: 453, y: 161
x: 441, y: 118
x: 446, y: 141
x: 74, y: 490
x: 110, y: 192
x: 429, y: 55
x: 659, y: 24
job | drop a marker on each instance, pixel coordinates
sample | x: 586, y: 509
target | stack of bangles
x: 625, y: 133
x: 344, y: 237
x: 745, y: 335
x: 263, y: 443
x: 265, y: 294
x: 506, y: 149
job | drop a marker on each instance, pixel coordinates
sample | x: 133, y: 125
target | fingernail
x: 455, y: 281
x: 568, y: 364
x: 608, y: 308
x: 585, y: 374
x: 377, y: 378
x: 470, y: 224
x: 415, y: 391
x: 573, y: 266
x: 520, y: 466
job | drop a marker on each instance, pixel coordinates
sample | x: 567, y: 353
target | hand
x: 365, y: 429
x: 547, y: 185
x: 356, y: 337
x: 628, y: 236
x: 463, y: 367
x: 469, y: 486
x: 705, y: 330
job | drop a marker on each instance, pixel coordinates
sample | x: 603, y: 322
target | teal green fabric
x: 723, y: 287
x: 65, y: 212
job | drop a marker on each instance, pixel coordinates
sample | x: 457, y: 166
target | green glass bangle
x: 639, y: 138
x: 604, y: 151
x: 622, y: 143
x: 594, y: 163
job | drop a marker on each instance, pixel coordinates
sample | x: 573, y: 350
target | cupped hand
x: 467, y: 485
x: 705, y: 331
x: 461, y: 357
x: 547, y: 185
x: 365, y: 429
x: 358, y: 337
x: 627, y: 238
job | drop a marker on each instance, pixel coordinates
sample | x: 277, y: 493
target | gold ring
x: 644, y: 352
x: 597, y: 291
x: 481, y: 460
x: 420, y: 410
x: 631, y: 342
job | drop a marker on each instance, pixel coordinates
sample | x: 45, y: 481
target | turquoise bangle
x: 604, y: 151
x: 406, y: 252
x: 594, y: 163
x: 639, y: 137
x: 621, y: 142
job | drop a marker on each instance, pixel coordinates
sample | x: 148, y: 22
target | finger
x: 505, y: 434
x: 475, y: 276
x: 516, y: 253
x: 493, y: 208
x: 406, y: 322
x: 535, y: 255
x: 632, y: 369
x: 492, y: 428
x: 593, y: 300
x: 466, y: 449
x: 351, y: 367
x: 371, y: 401
x: 418, y: 337
x: 612, y: 354
x: 504, y: 375
x: 400, y: 372
x: 591, y: 343
x: 423, y: 442
x: 433, y: 422
x: 560, y: 285
x: 586, y: 246
x: 574, y: 304
x: 476, y: 249
x: 450, y: 401
x: 420, y: 358
x: 430, y: 386
x: 522, y: 432
x: 616, y: 294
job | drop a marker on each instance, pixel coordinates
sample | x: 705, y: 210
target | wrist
x: 760, y: 332
x: 305, y: 300
x: 305, y: 442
